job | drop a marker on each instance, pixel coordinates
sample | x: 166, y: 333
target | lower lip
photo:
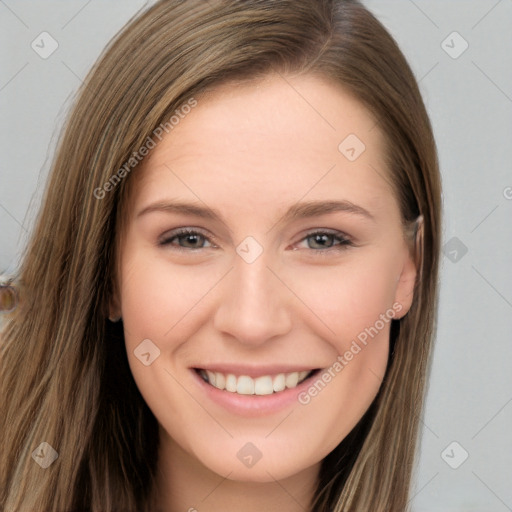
x: 252, y: 405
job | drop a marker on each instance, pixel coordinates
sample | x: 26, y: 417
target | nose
x: 254, y: 305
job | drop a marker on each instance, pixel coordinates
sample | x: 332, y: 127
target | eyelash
x: 343, y: 241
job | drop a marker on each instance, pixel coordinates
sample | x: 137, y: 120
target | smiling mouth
x: 245, y: 385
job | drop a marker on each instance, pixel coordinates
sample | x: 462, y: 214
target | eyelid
x: 326, y: 231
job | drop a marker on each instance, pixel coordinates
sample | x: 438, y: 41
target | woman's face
x: 295, y: 262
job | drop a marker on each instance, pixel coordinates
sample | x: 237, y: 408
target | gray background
x: 469, y: 98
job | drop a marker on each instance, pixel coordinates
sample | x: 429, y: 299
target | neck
x: 184, y: 484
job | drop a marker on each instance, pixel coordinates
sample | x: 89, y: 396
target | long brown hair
x: 63, y: 361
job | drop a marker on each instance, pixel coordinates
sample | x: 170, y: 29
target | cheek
x: 352, y: 306
x: 157, y: 297
x: 159, y: 303
x: 355, y: 301
x: 163, y: 303
x: 350, y: 298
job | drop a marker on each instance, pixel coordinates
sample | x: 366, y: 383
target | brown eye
x: 186, y: 239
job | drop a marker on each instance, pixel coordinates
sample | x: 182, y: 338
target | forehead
x: 262, y: 143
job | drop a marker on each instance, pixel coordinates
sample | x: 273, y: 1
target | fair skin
x: 250, y: 152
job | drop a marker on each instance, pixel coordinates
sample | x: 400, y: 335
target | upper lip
x: 254, y: 371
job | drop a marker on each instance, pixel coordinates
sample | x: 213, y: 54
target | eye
x: 320, y: 241
x: 323, y: 241
x: 186, y: 238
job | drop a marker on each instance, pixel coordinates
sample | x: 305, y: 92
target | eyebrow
x: 297, y: 211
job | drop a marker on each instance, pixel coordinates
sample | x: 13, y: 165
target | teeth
x: 230, y: 383
x: 211, y: 377
x: 244, y: 385
x: 279, y: 382
x: 292, y: 379
x: 263, y: 386
x: 220, y: 380
x: 303, y: 375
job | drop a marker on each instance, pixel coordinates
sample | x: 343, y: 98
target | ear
x: 411, y: 270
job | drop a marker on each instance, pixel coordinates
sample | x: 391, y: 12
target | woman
x: 230, y: 296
